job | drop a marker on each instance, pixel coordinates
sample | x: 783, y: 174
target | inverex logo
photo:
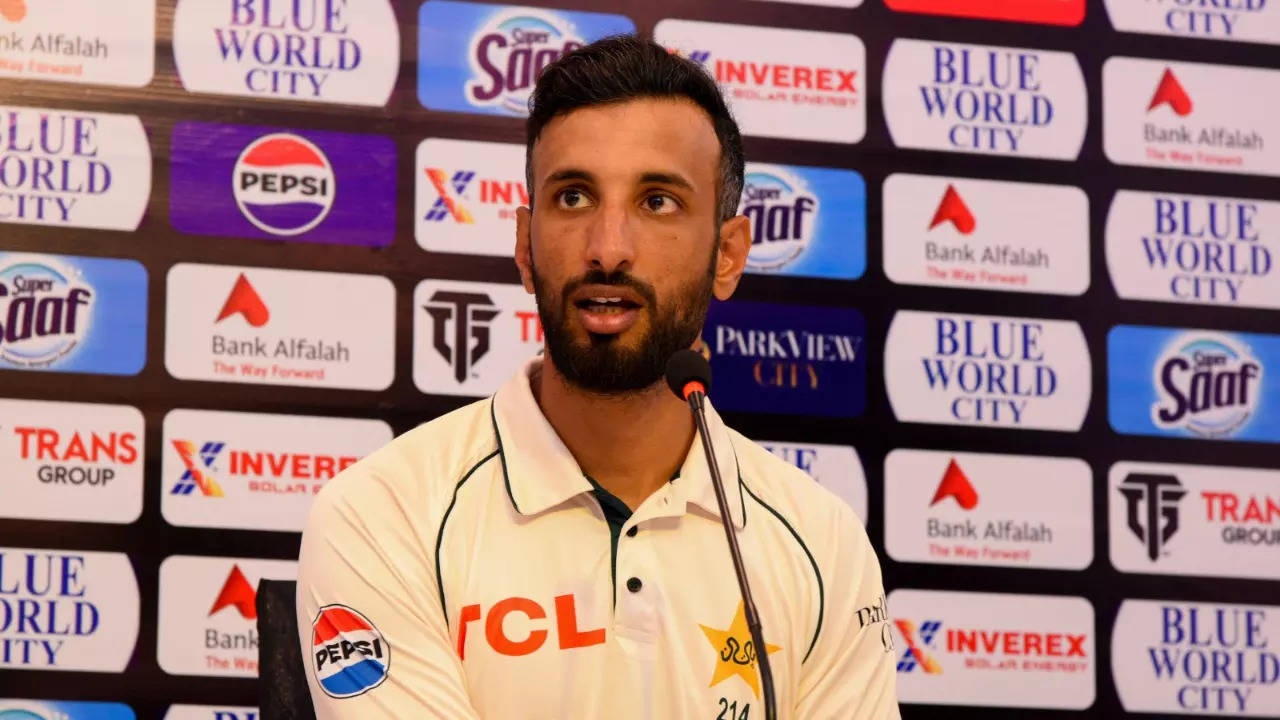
x: 805, y: 221
x: 995, y: 649
x: 328, y: 51
x: 252, y: 471
x: 986, y: 234
x: 1049, y: 12
x: 470, y: 338
x: 208, y: 616
x: 984, y: 99
x: 835, y: 467
x: 79, y: 41
x: 67, y: 610
x: 280, y: 327
x: 73, y: 169
x: 1193, y: 658
x: 466, y: 195
x: 795, y: 84
x: 1025, y: 373
x: 480, y: 58
x: 71, y: 461
x: 1194, y: 520
x: 987, y: 509
x: 1194, y: 249
x: 1190, y: 116
x: 1240, y: 20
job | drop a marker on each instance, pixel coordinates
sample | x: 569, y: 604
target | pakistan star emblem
x: 735, y: 653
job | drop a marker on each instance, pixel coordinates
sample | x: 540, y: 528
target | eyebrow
x: 652, y: 176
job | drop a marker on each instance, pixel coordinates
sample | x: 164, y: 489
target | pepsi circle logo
x: 350, y: 655
x: 283, y: 184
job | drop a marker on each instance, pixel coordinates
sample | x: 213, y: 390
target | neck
x: 630, y: 444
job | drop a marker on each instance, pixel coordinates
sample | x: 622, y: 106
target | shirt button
x: 634, y: 584
x: 632, y: 531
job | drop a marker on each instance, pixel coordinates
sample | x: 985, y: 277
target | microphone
x: 689, y: 377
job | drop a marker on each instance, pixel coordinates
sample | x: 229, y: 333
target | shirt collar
x: 541, y: 473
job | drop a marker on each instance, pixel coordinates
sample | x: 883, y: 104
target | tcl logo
x: 568, y: 635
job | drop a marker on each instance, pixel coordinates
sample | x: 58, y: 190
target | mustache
x: 620, y: 278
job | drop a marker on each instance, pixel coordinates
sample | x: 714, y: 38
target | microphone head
x: 688, y: 367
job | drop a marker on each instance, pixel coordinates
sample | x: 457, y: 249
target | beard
x: 602, y: 364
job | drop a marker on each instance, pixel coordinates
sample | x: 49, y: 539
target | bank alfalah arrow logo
x: 470, y: 315
x: 1152, y: 508
x: 1170, y: 92
x: 952, y: 209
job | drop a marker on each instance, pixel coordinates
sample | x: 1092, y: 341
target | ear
x: 735, y: 243
x: 524, y: 247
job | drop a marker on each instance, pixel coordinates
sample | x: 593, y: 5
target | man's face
x: 623, y: 249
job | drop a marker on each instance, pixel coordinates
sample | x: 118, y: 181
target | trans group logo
x: 805, y: 221
x: 1151, y: 508
x: 350, y: 656
x: 1246, y: 21
x: 485, y: 58
x: 284, y: 185
x: 79, y: 41
x: 466, y: 196
x: 469, y: 338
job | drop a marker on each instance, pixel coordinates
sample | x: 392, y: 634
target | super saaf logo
x: 79, y: 41
x: 805, y: 221
x: 12, y: 709
x: 1193, y: 383
x: 279, y: 184
x: 485, y: 58
x: 328, y: 51
x: 984, y: 99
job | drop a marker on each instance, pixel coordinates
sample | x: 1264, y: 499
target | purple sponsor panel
x: 279, y: 184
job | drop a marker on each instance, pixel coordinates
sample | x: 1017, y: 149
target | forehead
x: 623, y: 140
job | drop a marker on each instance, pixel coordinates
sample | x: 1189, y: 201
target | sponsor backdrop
x: 1013, y: 295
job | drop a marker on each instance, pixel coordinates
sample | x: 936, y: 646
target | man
x: 556, y: 551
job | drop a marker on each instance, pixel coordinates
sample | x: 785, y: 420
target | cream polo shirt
x: 466, y: 570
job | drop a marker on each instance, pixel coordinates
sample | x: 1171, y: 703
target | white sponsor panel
x: 986, y: 234
x: 79, y: 41
x: 1194, y: 249
x: 795, y: 84
x: 280, y: 327
x: 466, y: 196
x: 470, y: 338
x: 211, y: 712
x: 1171, y: 656
x: 987, y: 509
x: 68, y: 168
x: 994, y: 649
x: 1194, y: 520
x: 1190, y: 116
x: 67, y: 610
x: 251, y: 471
x: 70, y: 461
x: 208, y: 619
x: 835, y: 467
x: 331, y: 52
x: 984, y: 99
x: 987, y: 370
x: 1238, y: 20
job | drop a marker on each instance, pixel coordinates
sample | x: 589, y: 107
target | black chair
x: 282, y: 678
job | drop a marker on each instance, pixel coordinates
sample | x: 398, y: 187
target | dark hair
x: 624, y: 67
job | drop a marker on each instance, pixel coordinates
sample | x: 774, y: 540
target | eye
x: 572, y: 199
x: 661, y: 204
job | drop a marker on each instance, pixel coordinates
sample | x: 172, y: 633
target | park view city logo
x: 73, y: 169
x: 787, y: 359
x: 252, y: 471
x: 67, y: 610
x: 1047, y: 12
x: 14, y: 709
x: 469, y: 338
x: 207, y: 623
x: 795, y: 84
x: 466, y: 195
x: 1194, y: 249
x: 1241, y: 20
x: 328, y: 51
x: 78, y: 41
x: 984, y: 99
x: 211, y: 712
x: 994, y: 649
x: 835, y: 467
x: 485, y: 58
x: 70, y: 461
x: 1195, y: 520
x: 986, y: 234
x: 72, y: 314
x: 275, y: 184
x: 805, y: 221
x: 1190, y: 116
x: 280, y: 327
x: 1024, y: 373
x: 1196, y: 658
x: 987, y: 509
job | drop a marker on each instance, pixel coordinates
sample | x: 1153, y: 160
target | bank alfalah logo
x: 470, y: 314
x: 1151, y: 508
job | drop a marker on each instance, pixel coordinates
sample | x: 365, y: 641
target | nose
x: 610, y: 240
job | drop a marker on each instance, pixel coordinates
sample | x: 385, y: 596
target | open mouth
x: 606, y: 304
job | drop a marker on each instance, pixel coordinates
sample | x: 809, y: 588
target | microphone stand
x: 697, y: 405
